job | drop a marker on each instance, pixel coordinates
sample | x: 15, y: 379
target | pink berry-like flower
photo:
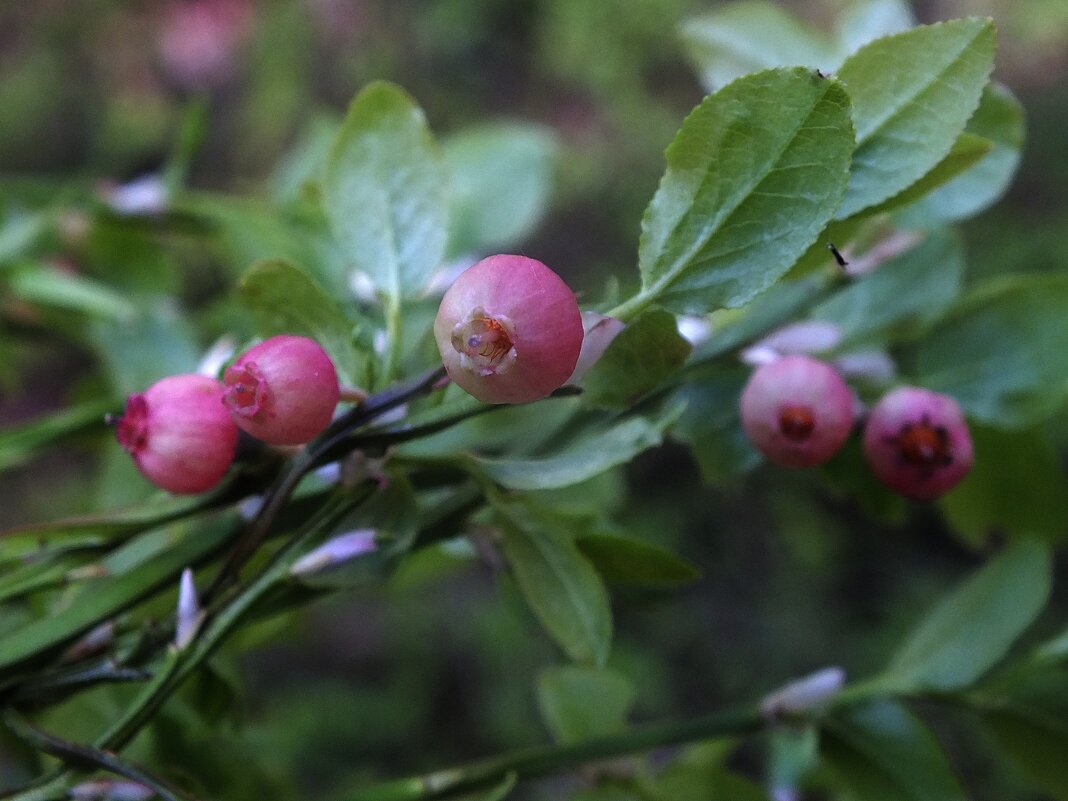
x: 509, y: 330
x: 917, y: 442
x: 179, y: 434
x: 282, y: 391
x: 797, y: 411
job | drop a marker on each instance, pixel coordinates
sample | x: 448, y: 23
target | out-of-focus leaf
x: 912, y: 96
x: 564, y: 591
x: 712, y: 426
x: 497, y: 792
x: 20, y: 443
x: 579, y: 702
x: 285, y: 300
x: 867, y: 20
x: 1002, y: 353
x: 908, y: 292
x: 18, y: 233
x: 1000, y: 120
x: 752, y: 177
x: 52, y: 287
x: 707, y: 780
x: 974, y: 626
x: 384, y: 191
x: 643, y: 355
x: 499, y: 181
x: 584, y: 457
x: 304, y: 162
x: 740, y: 38
x: 626, y: 561
x: 1017, y: 486
x: 881, y: 752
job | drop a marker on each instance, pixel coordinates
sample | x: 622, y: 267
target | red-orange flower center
x: 924, y: 445
x: 796, y: 422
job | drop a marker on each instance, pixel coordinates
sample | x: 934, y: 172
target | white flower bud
x: 804, y: 694
x: 190, y: 615
x: 334, y: 552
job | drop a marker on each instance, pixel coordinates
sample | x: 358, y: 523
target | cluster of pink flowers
x: 798, y: 412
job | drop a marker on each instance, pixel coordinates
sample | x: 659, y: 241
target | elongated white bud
x: 190, y: 615
x: 110, y: 790
x: 804, y: 694
x: 334, y: 552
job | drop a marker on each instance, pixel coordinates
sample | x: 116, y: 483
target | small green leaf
x: 642, y: 356
x: 912, y: 96
x: 752, y: 177
x: 52, y: 287
x: 699, y: 774
x: 583, y: 458
x: 712, y: 426
x: 740, y: 38
x: 631, y: 562
x: 579, y: 702
x: 907, y: 293
x: 881, y: 752
x: 561, y: 587
x: 1002, y: 353
x: 999, y: 120
x: 384, y: 191
x: 18, y: 233
x: 1017, y: 486
x: 499, y: 181
x: 972, y: 628
x: 285, y: 300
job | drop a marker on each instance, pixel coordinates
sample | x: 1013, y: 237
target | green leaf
x: 641, y: 357
x: 867, y: 20
x: 584, y: 457
x: 579, y: 702
x: 907, y: 293
x: 699, y: 774
x: 384, y: 191
x: 1017, y: 486
x: 21, y: 443
x: 626, y: 561
x: 498, y: 792
x: 53, y: 287
x: 753, y: 176
x: 561, y: 587
x: 712, y: 426
x: 746, y: 37
x: 972, y: 628
x: 881, y: 752
x: 285, y: 300
x: 912, y: 95
x: 999, y: 120
x: 1002, y: 353
x: 18, y: 233
x: 499, y: 181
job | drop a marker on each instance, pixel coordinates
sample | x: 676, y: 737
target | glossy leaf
x: 974, y: 626
x: 560, y: 585
x: 1002, y: 353
x: 584, y: 457
x: 740, y: 38
x: 499, y: 181
x: 881, y: 752
x: 912, y: 96
x: 579, y: 702
x: 1017, y: 487
x: 384, y: 191
x: 641, y: 357
x: 286, y: 300
x: 752, y: 178
x: 632, y: 562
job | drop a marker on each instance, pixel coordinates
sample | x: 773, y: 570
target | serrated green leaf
x: 905, y: 294
x: 285, y: 300
x: 1002, y: 353
x: 562, y: 588
x: 1016, y: 487
x: 631, y: 562
x: 740, y: 38
x: 641, y: 356
x: 579, y: 702
x: 1000, y: 120
x: 975, y: 625
x: 384, y: 191
x: 499, y: 181
x: 584, y: 458
x: 912, y: 95
x: 753, y: 176
x: 881, y: 752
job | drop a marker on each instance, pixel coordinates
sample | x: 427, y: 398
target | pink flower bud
x: 179, y: 434
x: 917, y: 442
x: 797, y: 411
x: 282, y: 391
x: 509, y: 330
